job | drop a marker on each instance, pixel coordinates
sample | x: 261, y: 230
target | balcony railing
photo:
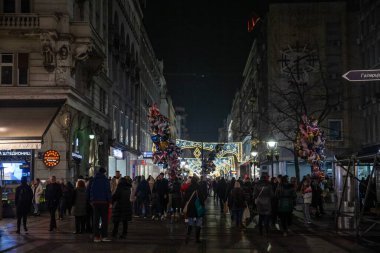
x: 8, y: 20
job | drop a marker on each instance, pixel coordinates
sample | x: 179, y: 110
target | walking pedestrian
x: 286, y: 198
x: 121, y: 208
x: 23, y: 201
x: 115, y: 181
x: 143, y: 195
x: 80, y: 206
x: 237, y: 203
x: 195, y: 218
x: 307, y: 194
x: 100, y: 198
x: 263, y: 195
x: 53, y: 195
x: 37, y: 192
x: 222, y: 191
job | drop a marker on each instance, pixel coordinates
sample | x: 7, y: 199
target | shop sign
x: 51, y: 158
x: 117, y: 153
x: 15, y: 153
x: 147, y: 154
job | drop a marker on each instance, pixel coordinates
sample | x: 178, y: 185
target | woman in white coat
x: 37, y: 192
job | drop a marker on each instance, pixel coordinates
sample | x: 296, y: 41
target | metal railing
x: 10, y: 20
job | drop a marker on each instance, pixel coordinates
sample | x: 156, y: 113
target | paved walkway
x: 145, y: 235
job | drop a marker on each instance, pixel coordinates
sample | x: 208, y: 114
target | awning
x: 23, y: 127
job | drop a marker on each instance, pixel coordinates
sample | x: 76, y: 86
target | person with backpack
x: 286, y: 196
x: 23, y: 201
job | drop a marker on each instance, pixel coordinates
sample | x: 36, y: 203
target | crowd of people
x: 97, y: 201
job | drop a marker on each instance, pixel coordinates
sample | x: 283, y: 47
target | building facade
x: 77, y: 78
x: 49, y: 55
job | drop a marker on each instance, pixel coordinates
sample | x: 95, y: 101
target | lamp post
x: 254, y: 155
x: 272, y: 146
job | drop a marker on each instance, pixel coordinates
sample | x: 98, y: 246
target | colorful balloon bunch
x: 310, y: 144
x: 208, y: 165
x: 166, y: 152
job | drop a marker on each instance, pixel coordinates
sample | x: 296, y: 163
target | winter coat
x: 143, y: 191
x: 23, y: 198
x: 237, y: 199
x: 37, y: 192
x: 121, y: 204
x: 100, y: 190
x: 53, y: 194
x: 79, y: 202
x: 286, y: 198
x: 222, y: 189
x: 263, y: 193
x: 161, y: 187
x: 151, y: 184
x: 191, y: 209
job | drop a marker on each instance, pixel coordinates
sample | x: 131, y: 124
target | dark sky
x: 204, y: 45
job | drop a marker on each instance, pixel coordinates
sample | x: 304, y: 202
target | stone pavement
x: 145, y: 235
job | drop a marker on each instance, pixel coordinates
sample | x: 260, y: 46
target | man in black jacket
x: 53, y: 194
x: 23, y: 199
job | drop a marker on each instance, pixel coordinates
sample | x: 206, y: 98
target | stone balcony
x: 27, y: 21
x: 19, y: 21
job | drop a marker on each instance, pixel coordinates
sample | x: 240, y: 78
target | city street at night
x: 181, y: 126
x: 146, y: 235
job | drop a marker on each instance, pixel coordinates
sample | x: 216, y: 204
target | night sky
x: 204, y: 45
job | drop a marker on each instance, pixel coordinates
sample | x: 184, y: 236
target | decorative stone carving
x: 47, y: 47
x: 64, y: 62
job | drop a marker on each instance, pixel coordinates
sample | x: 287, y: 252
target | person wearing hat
x: 23, y: 201
x: 100, y: 199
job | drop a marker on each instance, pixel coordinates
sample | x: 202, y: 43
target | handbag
x: 198, y: 206
x: 187, y: 203
x: 257, y: 199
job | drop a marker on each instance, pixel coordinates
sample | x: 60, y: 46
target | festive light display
x: 165, y: 150
x: 310, y: 144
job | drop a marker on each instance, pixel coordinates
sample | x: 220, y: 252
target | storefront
x: 117, y: 161
x: 143, y: 166
x: 14, y: 164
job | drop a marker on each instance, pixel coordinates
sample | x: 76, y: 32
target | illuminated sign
x: 14, y: 153
x: 148, y: 154
x: 117, y: 153
x: 51, y: 158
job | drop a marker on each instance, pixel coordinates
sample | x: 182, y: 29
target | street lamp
x: 272, y: 146
x: 254, y: 154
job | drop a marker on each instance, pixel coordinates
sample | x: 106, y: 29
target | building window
x: 6, y: 69
x: 114, y: 123
x: 121, y: 132
x: 16, y: 6
x: 126, y: 122
x: 335, y: 128
x: 132, y: 134
x: 103, y: 101
x: 23, y: 67
x: 8, y: 72
x: 136, y: 134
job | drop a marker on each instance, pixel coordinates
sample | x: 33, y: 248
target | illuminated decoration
x: 310, y: 144
x: 231, y: 148
x: 252, y: 22
x: 223, y: 166
x: 51, y: 158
